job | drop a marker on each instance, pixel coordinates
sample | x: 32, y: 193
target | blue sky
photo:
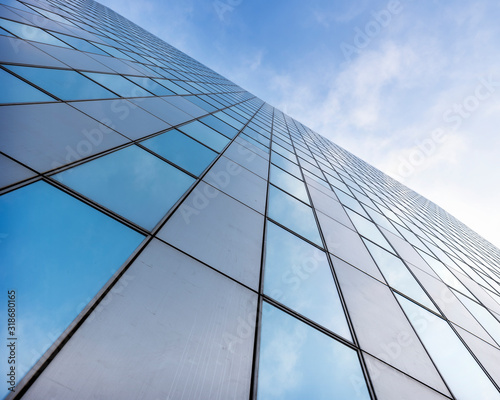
x: 412, y: 87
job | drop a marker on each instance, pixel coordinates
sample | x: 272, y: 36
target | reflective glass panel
x: 285, y: 164
x: 289, y: 183
x: 298, y: 362
x: 79, y: 44
x: 293, y: 214
x: 368, y: 229
x: 29, y: 32
x: 398, y: 276
x: 205, y: 134
x: 182, y: 150
x: 118, y: 84
x: 65, y: 84
x: 151, y: 85
x: 298, y: 275
x: 461, y: 372
x: 56, y: 254
x: 219, y: 126
x: 132, y: 182
x: 14, y: 90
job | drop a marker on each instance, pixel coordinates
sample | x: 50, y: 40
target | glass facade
x: 165, y: 234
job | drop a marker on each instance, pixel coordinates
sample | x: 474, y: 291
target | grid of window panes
x: 169, y: 235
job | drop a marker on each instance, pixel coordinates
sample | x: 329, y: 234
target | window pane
x: 205, y: 135
x: 57, y: 253
x: 289, y: 183
x: 368, y: 229
x: 14, y: 90
x: 293, y: 214
x: 29, y: 32
x: 219, y: 126
x: 298, y: 362
x: 118, y: 84
x: 398, y: 276
x: 285, y: 164
x: 298, y: 275
x: 65, y: 84
x: 79, y: 44
x: 461, y: 372
x: 132, y: 182
x: 181, y: 150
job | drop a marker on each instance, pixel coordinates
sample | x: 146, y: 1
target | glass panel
x: 65, y: 84
x: 298, y: 275
x: 293, y: 214
x: 181, y: 150
x: 79, y: 44
x: 398, y: 276
x: 118, y: 84
x: 463, y: 375
x: 172, y: 86
x: 14, y: 90
x: 151, y: 86
x: 12, y: 172
x: 56, y: 254
x: 298, y: 362
x: 205, y: 135
x: 368, y: 229
x: 199, y: 346
x: 484, y: 317
x: 329, y: 206
x: 29, y: 32
x: 132, y: 182
x: 289, y: 183
x: 350, y: 202
x: 230, y: 120
x: 219, y: 126
x: 285, y: 164
x: 220, y: 231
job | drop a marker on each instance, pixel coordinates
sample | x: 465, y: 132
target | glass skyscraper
x: 165, y: 234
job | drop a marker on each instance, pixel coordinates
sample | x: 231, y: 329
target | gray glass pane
x: 289, y: 183
x: 298, y: 275
x: 14, y: 90
x: 56, y: 253
x: 181, y: 150
x: 350, y: 202
x: 163, y: 110
x: 220, y: 231
x: 298, y: 362
x: 461, y: 372
x: 17, y: 51
x: 29, y: 32
x: 293, y: 214
x: 65, y: 84
x: 169, y: 321
x: 239, y: 183
x: 329, y: 206
x: 219, y: 126
x: 132, y: 182
x: 398, y: 276
x: 12, y: 171
x: 247, y: 158
x: 55, y: 134
x: 118, y: 84
x: 381, y: 326
x: 151, y: 85
x: 206, y: 135
x: 185, y: 105
x: 123, y: 116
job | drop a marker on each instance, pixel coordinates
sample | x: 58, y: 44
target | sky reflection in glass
x: 298, y: 275
x: 131, y: 182
x: 57, y: 253
x: 298, y: 362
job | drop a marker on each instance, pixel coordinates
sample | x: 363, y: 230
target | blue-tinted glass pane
x: 151, y: 85
x: 132, y: 182
x: 29, y: 32
x: 368, y: 229
x: 79, y: 44
x: 181, y: 150
x: 398, y: 276
x: 172, y: 86
x: 56, y: 253
x: 293, y: 214
x: 230, y: 120
x: 118, y: 84
x: 464, y: 376
x: 285, y: 164
x: 219, y: 126
x: 289, y: 183
x: 205, y: 135
x: 14, y: 90
x: 65, y: 84
x: 298, y: 362
x: 114, y: 52
x: 298, y: 275
x: 4, y: 32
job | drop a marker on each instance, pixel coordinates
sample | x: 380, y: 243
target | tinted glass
x: 79, y: 44
x: 56, y: 253
x: 289, y: 183
x: 293, y: 214
x: 298, y: 275
x: 298, y: 362
x: 461, y: 372
x: 29, y: 32
x: 205, y: 134
x: 14, y: 90
x: 132, y: 182
x: 118, y: 84
x: 65, y: 84
x: 219, y: 126
x: 368, y: 229
x: 181, y: 150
